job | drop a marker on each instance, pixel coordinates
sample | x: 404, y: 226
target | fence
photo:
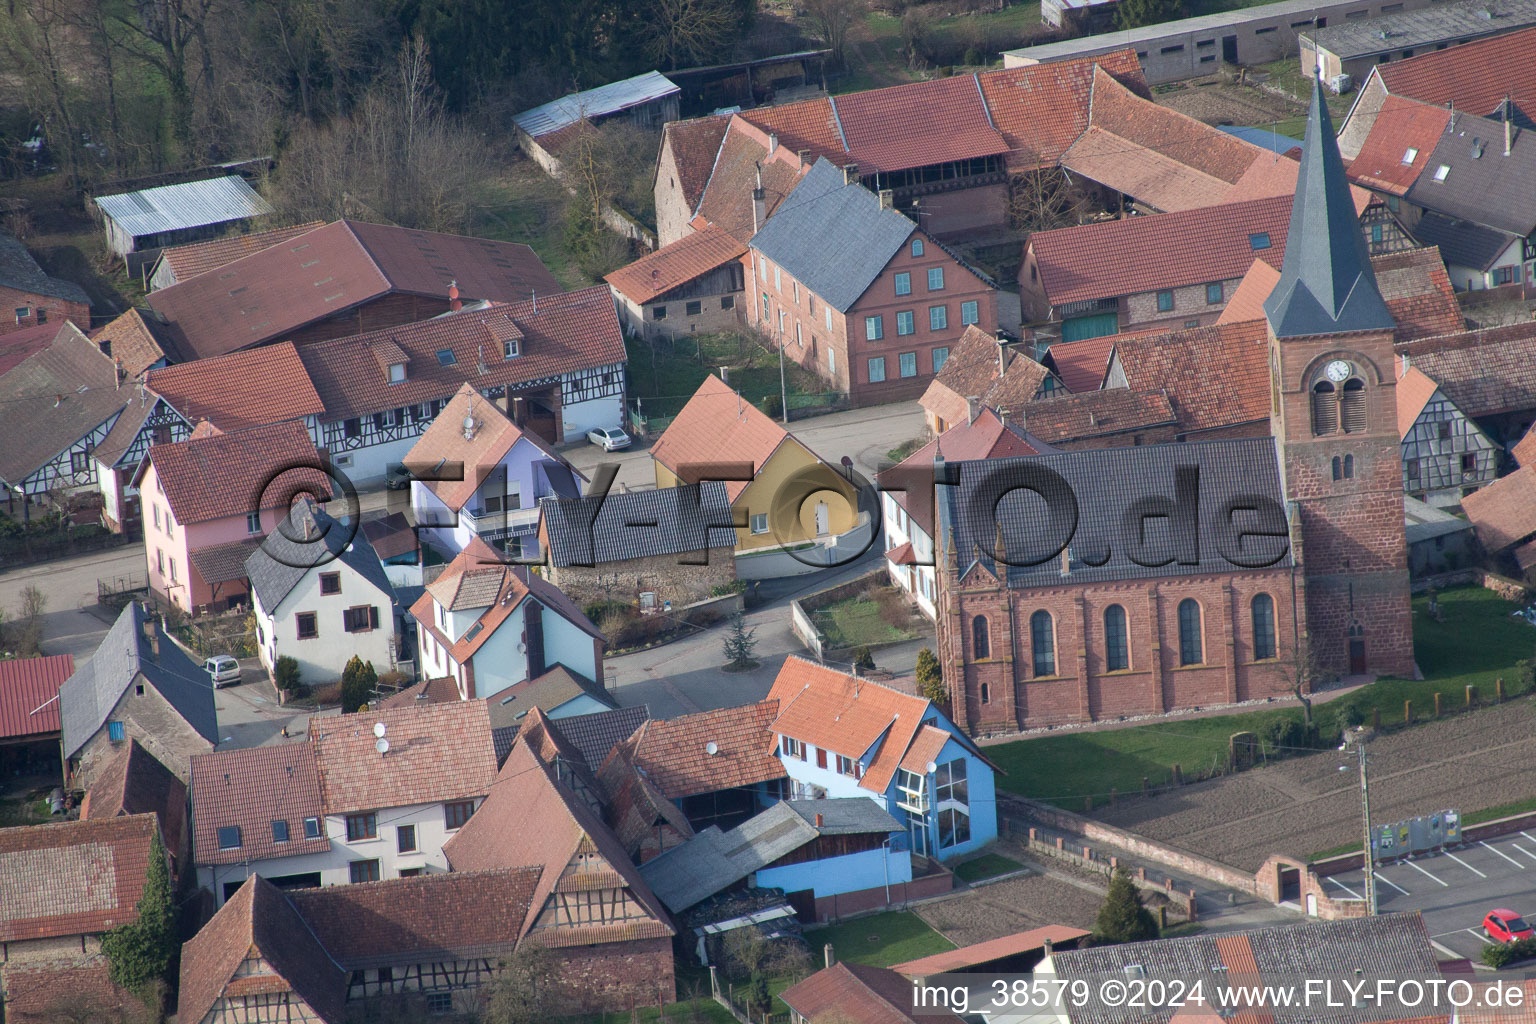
x: 216, y: 634
x: 115, y: 592
x: 31, y: 548
x: 1087, y: 858
x: 726, y: 997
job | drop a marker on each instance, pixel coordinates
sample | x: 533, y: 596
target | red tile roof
x: 971, y: 371
x: 258, y: 921
x: 1042, y: 109
x: 310, y: 277
x: 1504, y: 511
x: 436, y: 753
x: 1484, y: 372
x: 137, y: 340
x: 18, y: 345
x: 806, y: 124
x: 560, y: 334
x: 981, y: 953
x: 683, y: 260
x: 1400, y: 125
x: 694, y: 145
x: 442, y: 690
x: 73, y: 878
x: 1418, y: 293
x: 1169, y: 250
x: 1524, y: 449
x: 985, y: 437
x: 717, y: 425
x: 1215, y: 376
x: 674, y: 753
x: 1154, y: 178
x: 743, y: 156
x: 836, y: 711
x: 250, y: 789
x: 213, y: 476
x: 925, y: 749
x: 458, y: 915
x: 1275, y: 174
x: 917, y: 124
x: 242, y: 389
x: 187, y: 261
x: 1414, y: 390
x: 1247, y: 301
x: 444, y: 443
x: 1119, y: 110
x: 1063, y: 418
x: 1081, y: 364
x: 29, y: 691
x: 1475, y: 76
x: 135, y: 782
x: 860, y: 994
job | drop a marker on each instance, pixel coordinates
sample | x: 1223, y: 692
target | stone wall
x: 615, y: 977
x: 150, y: 719
x: 662, y: 574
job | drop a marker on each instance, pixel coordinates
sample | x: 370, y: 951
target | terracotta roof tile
x: 135, y: 782
x: 1247, y: 301
x: 1475, y: 76
x: 72, y: 878
x: 805, y: 124
x: 919, y: 123
x: 240, y: 390
x: 1399, y: 126
x: 1484, y: 372
x: 1062, y: 418
x: 925, y: 748
x: 673, y: 753
x: 1169, y: 250
x: 29, y: 691
x: 436, y: 753
x: 985, y: 437
x: 860, y: 994
x: 717, y: 426
x: 1184, y: 364
x: 259, y: 921
x: 249, y: 790
x: 440, y: 916
x: 695, y: 144
x: 1524, y: 449
x: 1418, y: 293
x: 677, y: 263
x: 982, y: 953
x: 442, y: 690
x: 596, y: 734
x: 1414, y: 390
x: 544, y: 693
x: 187, y: 261
x: 1119, y: 110
x: 727, y: 199
x: 137, y: 341
x: 1157, y: 179
x: 310, y: 277
x: 1043, y: 108
x: 1275, y: 174
x: 1081, y: 364
x: 444, y: 443
x: 1504, y: 512
x: 232, y: 474
x: 562, y: 333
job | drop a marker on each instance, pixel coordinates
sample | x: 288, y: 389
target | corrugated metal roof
x: 191, y: 204
x: 605, y: 99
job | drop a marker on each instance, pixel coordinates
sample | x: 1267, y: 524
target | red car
x: 1506, y: 926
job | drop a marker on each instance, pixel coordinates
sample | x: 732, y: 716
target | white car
x: 223, y: 670
x: 609, y: 439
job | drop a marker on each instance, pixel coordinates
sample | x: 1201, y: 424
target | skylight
x: 1259, y: 240
x: 1410, y: 155
x: 1442, y: 172
x: 445, y: 357
x: 229, y: 837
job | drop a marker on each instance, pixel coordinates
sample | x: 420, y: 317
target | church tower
x: 1334, y: 417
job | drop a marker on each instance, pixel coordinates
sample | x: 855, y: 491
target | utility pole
x: 783, y: 387
x: 1370, y: 856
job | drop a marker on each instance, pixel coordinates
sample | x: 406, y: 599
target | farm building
x: 139, y: 224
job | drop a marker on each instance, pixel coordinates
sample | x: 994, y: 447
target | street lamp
x: 1365, y: 813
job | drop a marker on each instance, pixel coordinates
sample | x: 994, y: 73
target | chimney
x: 773, y: 143
x: 1066, y: 560
x: 828, y: 957
x: 454, y: 305
x: 804, y: 155
x: 1002, y: 364
x: 759, y: 209
x: 1407, y: 361
x: 1509, y: 126
x: 887, y: 199
x: 970, y: 409
x: 820, y: 821
x: 1045, y: 946
x: 851, y: 174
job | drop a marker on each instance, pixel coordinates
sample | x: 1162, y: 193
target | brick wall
x: 57, y: 310
x: 615, y: 976
x: 623, y: 581
x: 1140, y: 311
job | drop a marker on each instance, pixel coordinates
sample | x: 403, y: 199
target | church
x: 1085, y: 586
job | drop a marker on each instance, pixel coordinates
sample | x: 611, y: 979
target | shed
x: 143, y: 222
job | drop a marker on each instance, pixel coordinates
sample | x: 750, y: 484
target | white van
x: 223, y: 669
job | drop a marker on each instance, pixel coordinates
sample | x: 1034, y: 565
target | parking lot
x: 1454, y: 889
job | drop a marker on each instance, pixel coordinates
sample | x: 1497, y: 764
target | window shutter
x: 802, y: 751
x: 858, y: 770
x: 373, y: 617
x: 1352, y: 407
x: 1325, y: 411
x: 821, y: 757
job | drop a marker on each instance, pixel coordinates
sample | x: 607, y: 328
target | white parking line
x: 1464, y: 864
x: 1426, y: 873
x: 1480, y: 935
x: 1529, y: 836
x: 1501, y: 853
x: 1383, y: 878
x: 1523, y: 850
x: 1346, y: 888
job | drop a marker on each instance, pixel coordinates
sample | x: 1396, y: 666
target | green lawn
x: 526, y: 205
x: 664, y: 376
x: 988, y: 865
x: 856, y: 620
x: 877, y: 54
x: 1071, y: 768
x: 880, y: 940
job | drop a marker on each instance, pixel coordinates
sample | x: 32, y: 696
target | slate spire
x: 1326, y: 284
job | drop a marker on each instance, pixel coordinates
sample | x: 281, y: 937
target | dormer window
x: 396, y: 372
x: 1442, y: 172
x: 511, y: 349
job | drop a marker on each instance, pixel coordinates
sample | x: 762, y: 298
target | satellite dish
x: 381, y: 745
x: 379, y: 730
x: 931, y: 767
x: 711, y: 748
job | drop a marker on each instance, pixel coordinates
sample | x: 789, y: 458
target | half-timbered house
x: 147, y: 420
x: 1446, y: 455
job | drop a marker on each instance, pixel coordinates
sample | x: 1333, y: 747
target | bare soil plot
x: 1003, y: 908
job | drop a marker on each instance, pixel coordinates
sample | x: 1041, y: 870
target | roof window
x: 1410, y: 155
x: 445, y: 357
x: 396, y: 372
x: 1258, y: 240
x: 1442, y: 172
x: 229, y: 837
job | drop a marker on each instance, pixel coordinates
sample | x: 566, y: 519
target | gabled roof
x: 187, y: 261
x: 219, y: 474
x: 916, y: 124
x: 861, y: 995
x: 1474, y: 76
x: 73, y: 878
x: 285, y: 557
x: 982, y: 367
x: 456, y: 915
x: 718, y: 425
x: 444, y: 444
x: 743, y: 156
x: 694, y: 145
x: 1461, y: 242
x: 1484, y: 372
x: 442, y: 690
x: 1247, y: 301
x: 29, y: 692
x: 1504, y: 512
x: 676, y: 263
x: 835, y: 238
x: 1524, y: 450
x: 1081, y: 364
x: 615, y: 527
x: 1214, y: 376
x: 1062, y: 418
x: 88, y: 697
x: 1470, y: 177
x: 313, y: 276
x: 836, y: 711
x: 436, y: 753
x: 982, y: 953
x: 259, y: 921
x: 242, y: 389
x: 61, y: 387
x: 1414, y: 390
x: 530, y: 819
x: 595, y: 103
x: 594, y: 735
x: 545, y: 693
x: 20, y: 271
x: 1168, y: 250
x: 561, y: 333
x: 1326, y: 284
x: 1397, y: 149
x: 191, y: 204
x: 249, y: 789
x: 675, y: 755
x: 135, y: 782
x: 137, y: 340
x: 985, y: 437
x: 1041, y: 109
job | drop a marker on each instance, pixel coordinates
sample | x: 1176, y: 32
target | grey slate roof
x: 834, y: 238
x: 1481, y: 184
x: 1462, y: 243
x: 1326, y: 283
x: 88, y: 696
x: 1423, y: 522
x: 595, y: 735
x: 689, y: 518
x: 845, y: 816
x: 1410, y: 30
x: 1106, y: 483
x: 191, y: 204
x: 20, y: 271
x: 277, y: 566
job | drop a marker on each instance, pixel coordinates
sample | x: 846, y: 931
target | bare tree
x: 1044, y: 198
x: 521, y: 992
x: 1302, y: 672
x: 36, y: 44
x: 834, y: 19
x: 680, y: 33
x: 167, y: 34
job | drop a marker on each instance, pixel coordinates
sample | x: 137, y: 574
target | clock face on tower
x: 1337, y: 371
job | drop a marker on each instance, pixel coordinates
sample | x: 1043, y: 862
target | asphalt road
x: 1456, y: 889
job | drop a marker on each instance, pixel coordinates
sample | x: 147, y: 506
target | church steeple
x: 1326, y: 284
